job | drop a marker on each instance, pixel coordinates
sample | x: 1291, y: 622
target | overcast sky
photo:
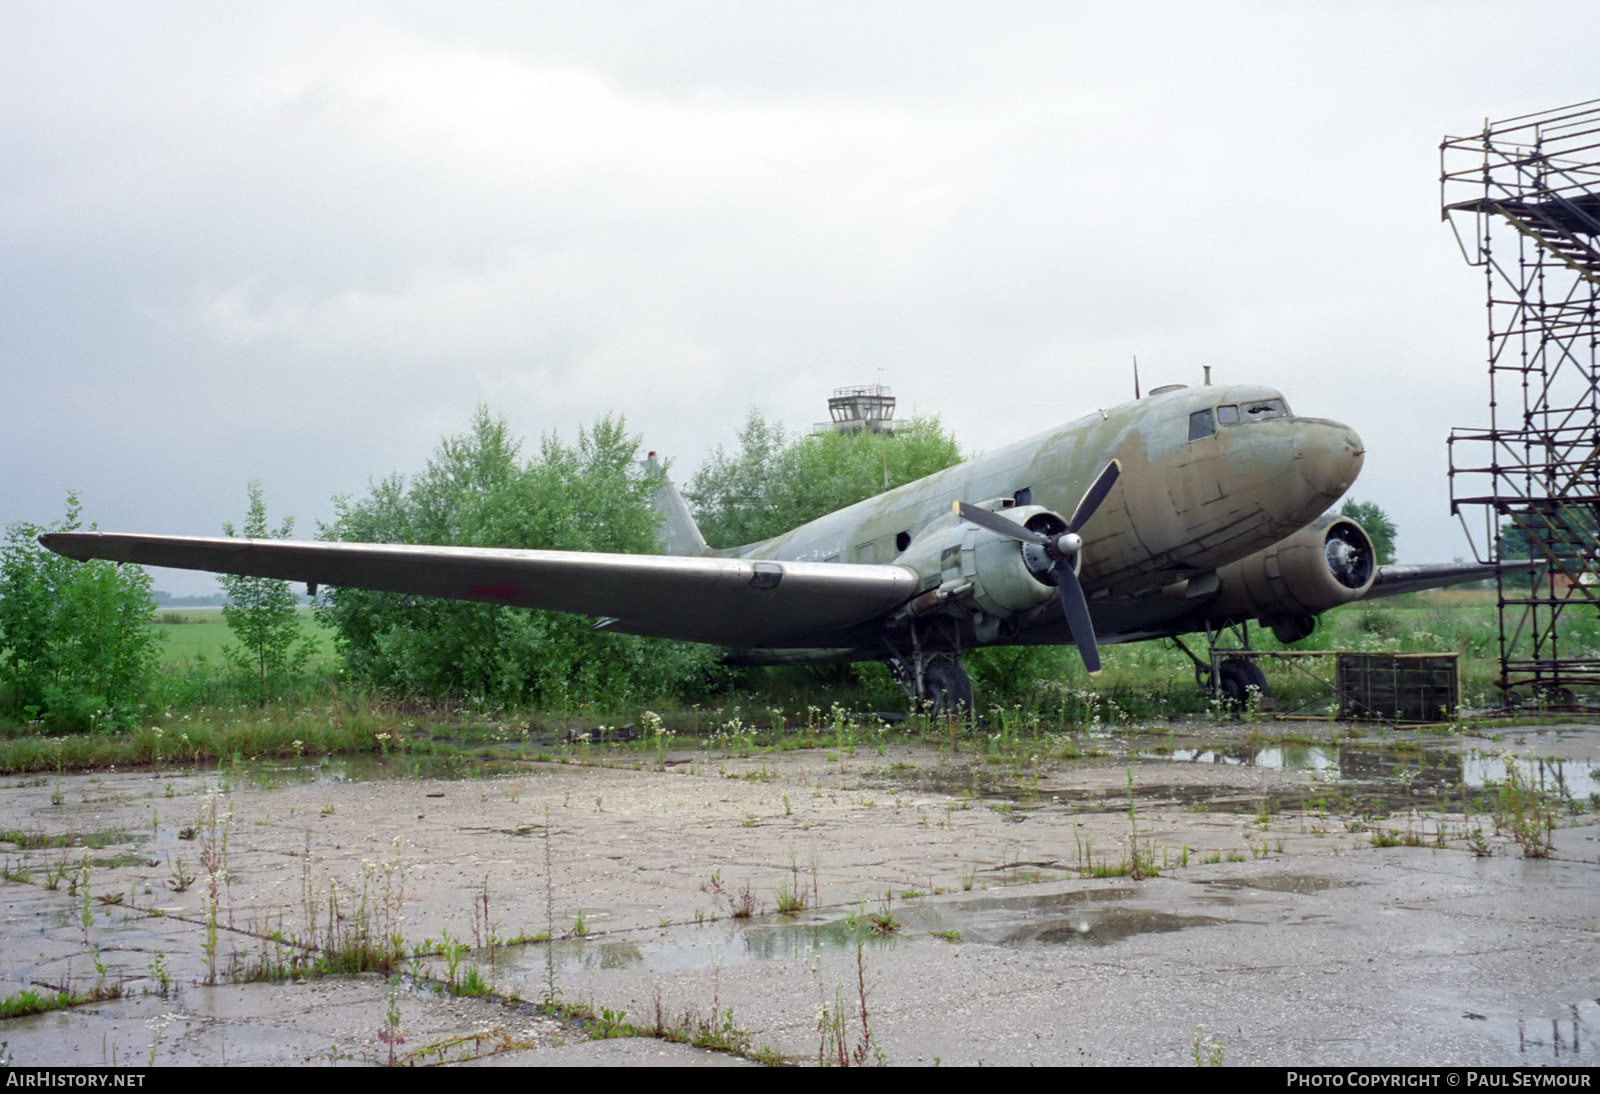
x: 300, y: 243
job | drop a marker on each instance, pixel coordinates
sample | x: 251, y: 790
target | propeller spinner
x: 1063, y: 551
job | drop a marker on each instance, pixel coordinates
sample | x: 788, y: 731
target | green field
x: 190, y: 635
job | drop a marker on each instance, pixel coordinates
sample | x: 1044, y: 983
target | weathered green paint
x: 1181, y: 509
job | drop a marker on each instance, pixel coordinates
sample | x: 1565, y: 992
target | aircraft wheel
x: 1553, y: 695
x: 1236, y: 677
x: 948, y: 688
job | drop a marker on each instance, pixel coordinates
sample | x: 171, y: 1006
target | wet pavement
x: 1311, y: 903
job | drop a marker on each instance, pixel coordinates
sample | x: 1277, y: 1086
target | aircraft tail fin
x: 678, y: 534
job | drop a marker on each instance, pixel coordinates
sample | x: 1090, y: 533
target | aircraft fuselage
x: 1210, y: 475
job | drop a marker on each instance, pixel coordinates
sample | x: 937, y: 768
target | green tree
x: 261, y: 614
x: 76, y: 646
x: 478, y: 491
x: 774, y: 482
x: 1377, y: 524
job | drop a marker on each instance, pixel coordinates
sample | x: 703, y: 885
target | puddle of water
x: 1290, y: 883
x: 1473, y: 769
x: 724, y: 942
x: 1108, y: 926
x: 371, y: 768
x: 1384, y: 779
x: 1570, y: 1036
x: 1093, y: 917
x: 1090, y: 917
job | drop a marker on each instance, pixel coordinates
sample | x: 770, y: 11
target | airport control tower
x: 853, y: 409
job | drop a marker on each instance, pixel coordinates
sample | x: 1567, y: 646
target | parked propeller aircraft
x: 1191, y: 510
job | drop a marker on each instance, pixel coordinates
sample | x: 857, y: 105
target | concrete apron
x: 1276, y: 924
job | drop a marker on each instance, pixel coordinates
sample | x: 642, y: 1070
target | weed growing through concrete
x: 181, y: 877
x: 160, y: 974
x: 837, y: 1045
x: 485, y: 933
x: 86, y: 909
x: 790, y: 900
x: 1522, y: 811
x: 551, y: 992
x: 391, y: 1034
x: 1139, y: 867
x: 158, y: 1027
x: 1207, y: 1049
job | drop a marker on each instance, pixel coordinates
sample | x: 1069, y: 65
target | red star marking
x: 506, y: 590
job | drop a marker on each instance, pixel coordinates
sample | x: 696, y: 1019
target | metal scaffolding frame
x: 1523, y: 197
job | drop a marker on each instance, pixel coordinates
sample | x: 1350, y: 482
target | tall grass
x: 205, y: 717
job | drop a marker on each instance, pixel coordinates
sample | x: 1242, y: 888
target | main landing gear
x: 1237, y: 681
x: 932, y: 674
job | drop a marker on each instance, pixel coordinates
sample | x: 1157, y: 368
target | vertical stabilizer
x: 678, y: 534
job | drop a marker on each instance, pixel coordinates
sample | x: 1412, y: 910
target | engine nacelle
x: 980, y: 571
x: 1327, y: 563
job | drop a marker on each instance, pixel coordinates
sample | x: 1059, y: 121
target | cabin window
x: 865, y: 552
x: 1024, y: 496
x: 1201, y: 425
x: 902, y: 540
x: 1228, y: 415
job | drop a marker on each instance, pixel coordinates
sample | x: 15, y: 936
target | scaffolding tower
x: 1523, y: 197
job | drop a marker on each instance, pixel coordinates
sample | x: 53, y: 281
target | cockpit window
x: 1201, y: 425
x: 1263, y: 409
x: 1258, y: 411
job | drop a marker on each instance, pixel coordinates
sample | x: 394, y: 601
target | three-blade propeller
x: 1063, y: 551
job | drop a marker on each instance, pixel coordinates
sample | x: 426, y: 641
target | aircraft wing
x: 1398, y: 578
x: 722, y: 601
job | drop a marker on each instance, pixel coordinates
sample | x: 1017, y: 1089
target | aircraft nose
x: 1328, y: 456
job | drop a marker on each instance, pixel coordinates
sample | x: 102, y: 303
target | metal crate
x: 1398, y: 687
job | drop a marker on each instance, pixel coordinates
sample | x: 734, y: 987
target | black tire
x: 1235, y: 679
x: 1553, y: 695
x: 948, y: 688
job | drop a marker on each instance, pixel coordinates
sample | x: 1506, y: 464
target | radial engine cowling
x: 1327, y: 563
x: 997, y: 576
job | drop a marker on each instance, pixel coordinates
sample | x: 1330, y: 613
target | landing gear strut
x: 931, y: 673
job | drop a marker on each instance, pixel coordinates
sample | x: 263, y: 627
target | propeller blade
x: 997, y: 524
x: 1094, y: 496
x: 1063, y: 552
x: 1075, y: 606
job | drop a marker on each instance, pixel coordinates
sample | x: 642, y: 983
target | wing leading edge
x: 725, y: 602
